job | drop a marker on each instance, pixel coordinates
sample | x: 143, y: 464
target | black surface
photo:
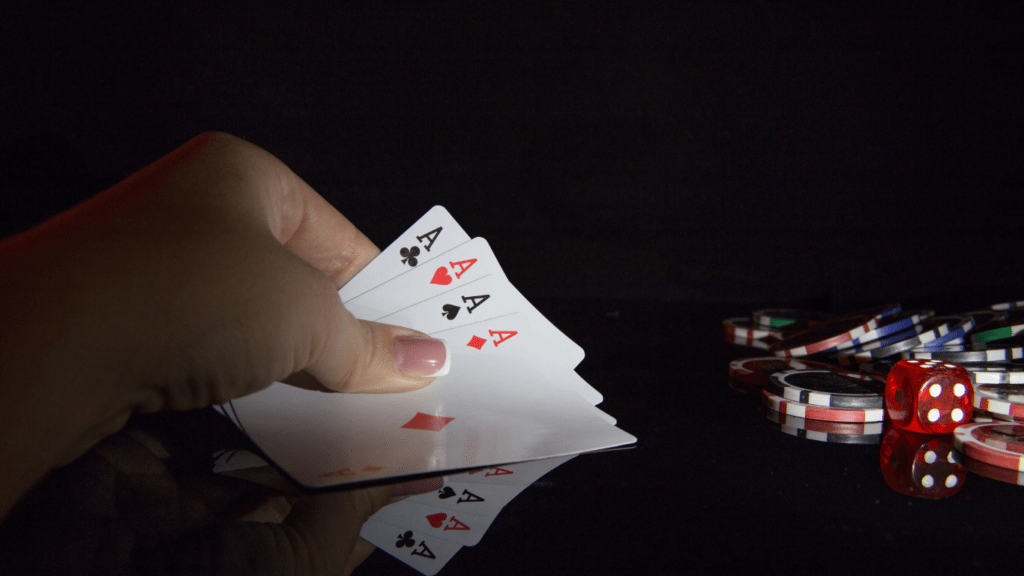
x: 641, y: 173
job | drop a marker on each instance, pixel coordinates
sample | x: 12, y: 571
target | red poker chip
x: 826, y: 336
x: 789, y: 408
x: 826, y: 427
x: 1000, y: 445
x: 745, y: 328
x: 994, y: 472
x: 758, y: 371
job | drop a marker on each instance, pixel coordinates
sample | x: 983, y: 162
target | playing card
x: 463, y: 528
x: 433, y: 234
x: 454, y: 268
x: 423, y: 552
x: 485, y: 411
x: 516, y: 335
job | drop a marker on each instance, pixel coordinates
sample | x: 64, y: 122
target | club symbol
x: 405, y: 540
x: 409, y: 255
x: 449, y: 311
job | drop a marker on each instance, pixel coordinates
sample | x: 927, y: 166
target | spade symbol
x: 450, y: 311
x: 409, y: 255
x: 446, y: 492
x: 405, y: 540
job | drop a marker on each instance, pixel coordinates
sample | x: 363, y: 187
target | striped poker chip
x: 828, y: 389
x: 942, y: 348
x: 932, y: 329
x: 1011, y: 342
x: 734, y: 328
x: 831, y: 432
x: 986, y: 416
x: 998, y: 355
x: 997, y: 330
x: 783, y: 317
x: 995, y: 373
x: 989, y: 398
x: 959, y: 327
x: 888, y: 326
x: 825, y: 337
x: 758, y: 371
x: 1000, y: 445
x: 1008, y: 305
x: 783, y: 406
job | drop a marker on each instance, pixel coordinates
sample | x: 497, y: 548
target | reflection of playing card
x: 423, y: 552
x: 433, y: 234
x: 517, y: 335
x: 486, y: 411
x: 454, y: 268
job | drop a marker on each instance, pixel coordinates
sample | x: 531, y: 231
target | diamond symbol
x: 477, y: 342
x: 428, y: 422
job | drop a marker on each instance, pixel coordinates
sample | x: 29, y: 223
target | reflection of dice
x: 920, y: 465
x: 929, y: 396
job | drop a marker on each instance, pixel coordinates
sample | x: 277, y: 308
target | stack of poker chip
x: 822, y: 376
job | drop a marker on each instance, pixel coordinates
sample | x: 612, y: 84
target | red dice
x: 929, y: 396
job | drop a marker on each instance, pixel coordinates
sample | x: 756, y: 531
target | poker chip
x: 758, y: 371
x: 1000, y: 445
x: 888, y: 326
x: 997, y: 355
x: 825, y: 337
x: 801, y: 410
x: 1008, y: 305
x: 760, y: 344
x: 824, y: 431
x: 996, y: 373
x: 959, y: 327
x: 990, y: 398
x: 734, y: 328
x: 930, y: 330
x: 986, y: 416
x: 943, y: 348
x: 826, y: 388
x: 879, y: 368
x: 997, y: 330
x: 1011, y: 342
x: 783, y: 317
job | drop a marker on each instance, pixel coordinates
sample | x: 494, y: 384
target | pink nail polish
x: 421, y: 357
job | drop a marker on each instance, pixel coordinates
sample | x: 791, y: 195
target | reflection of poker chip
x: 758, y: 370
x: 996, y: 444
x: 802, y: 410
x: 828, y: 389
x: 994, y: 472
x: 993, y: 398
x: 823, y: 431
x: 826, y: 336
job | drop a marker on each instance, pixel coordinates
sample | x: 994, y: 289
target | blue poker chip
x: 890, y: 325
x: 959, y: 327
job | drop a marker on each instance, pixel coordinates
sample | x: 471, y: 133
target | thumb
x: 361, y: 356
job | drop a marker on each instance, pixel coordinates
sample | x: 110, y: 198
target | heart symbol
x: 437, y: 519
x: 450, y: 311
x: 441, y: 277
x: 445, y: 492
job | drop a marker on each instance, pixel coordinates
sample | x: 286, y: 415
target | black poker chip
x: 828, y: 389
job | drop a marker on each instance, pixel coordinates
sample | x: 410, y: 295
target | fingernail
x: 421, y: 357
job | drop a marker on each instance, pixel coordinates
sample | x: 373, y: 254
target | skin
x: 203, y: 277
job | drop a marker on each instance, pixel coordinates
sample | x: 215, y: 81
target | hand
x: 205, y: 276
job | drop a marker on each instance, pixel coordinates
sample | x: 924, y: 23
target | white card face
x: 484, y: 412
x: 519, y: 474
x: 516, y: 335
x: 433, y: 234
x: 462, y: 528
x: 449, y: 271
x: 478, y: 300
x: 425, y: 553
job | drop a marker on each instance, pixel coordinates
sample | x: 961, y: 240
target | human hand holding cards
x: 511, y: 395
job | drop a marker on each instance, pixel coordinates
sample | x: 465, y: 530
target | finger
x: 360, y: 553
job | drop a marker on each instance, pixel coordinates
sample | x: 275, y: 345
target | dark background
x: 641, y: 172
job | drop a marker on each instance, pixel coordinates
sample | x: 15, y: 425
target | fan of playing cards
x: 511, y: 404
